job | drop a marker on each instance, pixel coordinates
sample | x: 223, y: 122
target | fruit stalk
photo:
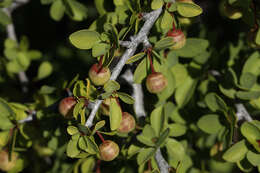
x: 151, y: 61
x: 101, y: 137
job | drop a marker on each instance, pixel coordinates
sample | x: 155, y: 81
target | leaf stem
x: 101, y: 137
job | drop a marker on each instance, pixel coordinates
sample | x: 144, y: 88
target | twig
x: 137, y: 94
x: 161, y: 162
x: 150, y: 18
x: 12, y: 35
x: 242, y: 112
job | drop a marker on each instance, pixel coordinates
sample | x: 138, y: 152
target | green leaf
x: 185, y: 91
x: 236, y: 153
x: 257, y: 38
x: 115, y: 114
x: 157, y: 120
x: 164, y: 135
x: 253, y: 158
x: 188, y: 9
x: 126, y: 98
x: 5, y: 123
x: 78, y: 107
x: 6, y: 110
x: 4, y: 19
x: 248, y: 95
x: 141, y: 71
x: 215, y: 103
x: 175, y: 149
x: 177, y: 129
x: 135, y: 58
x: 44, y: 70
x: 164, y: 43
x: 100, y: 49
x: 78, y: 11
x: 72, y: 130
x: 34, y: 54
x: 57, y: 10
x: 180, y: 73
x: 132, y: 150
x: 247, y: 80
x: 23, y: 60
x: 88, y: 164
x: 156, y: 4
x: 251, y: 133
x: 167, y: 20
x: 111, y: 86
x: 144, y: 155
x: 92, y: 146
x: 252, y: 64
x: 209, y: 123
x: 98, y: 126
x: 147, y: 135
x: 100, y: 6
x: 84, y: 39
x: 193, y: 47
x: 72, y: 148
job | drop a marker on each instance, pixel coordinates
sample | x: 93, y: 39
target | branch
x: 242, y: 112
x: 162, y: 164
x: 137, y: 94
x: 12, y: 35
x: 135, y: 41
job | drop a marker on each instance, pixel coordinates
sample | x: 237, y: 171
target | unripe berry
x: 178, y: 37
x: 99, y: 75
x: 127, y: 124
x: 109, y: 150
x: 229, y: 11
x: 66, y: 107
x: 156, y: 82
x: 5, y: 164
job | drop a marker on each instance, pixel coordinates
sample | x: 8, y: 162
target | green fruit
x: 99, y: 75
x: 178, y: 37
x: 5, y: 164
x: 156, y: 82
x: 127, y: 123
x: 66, y: 107
x: 229, y: 11
x: 109, y: 150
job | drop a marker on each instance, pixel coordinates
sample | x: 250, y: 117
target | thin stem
x: 98, y: 166
x: 173, y: 22
x: 100, y: 63
x: 150, y: 60
x: 101, y: 137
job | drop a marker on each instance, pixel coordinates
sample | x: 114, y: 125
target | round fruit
x: 156, y: 82
x: 127, y: 124
x: 66, y: 107
x: 109, y: 150
x: 229, y: 11
x: 5, y: 164
x: 178, y: 38
x: 105, y: 106
x: 99, y: 76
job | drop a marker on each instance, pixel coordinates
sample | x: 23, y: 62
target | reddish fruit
x: 99, y: 75
x: 178, y: 37
x: 156, y: 82
x: 5, y: 164
x: 127, y: 124
x: 109, y: 150
x: 66, y: 107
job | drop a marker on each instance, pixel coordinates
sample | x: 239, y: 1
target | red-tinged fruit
x: 109, y: 150
x: 179, y: 38
x: 99, y: 75
x: 156, y: 82
x: 127, y: 124
x: 66, y: 107
x: 5, y: 164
